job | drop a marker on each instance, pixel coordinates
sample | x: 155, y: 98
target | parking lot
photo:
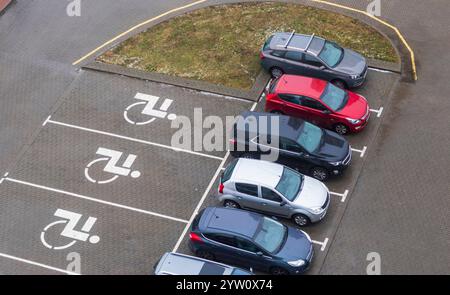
x: 104, y: 161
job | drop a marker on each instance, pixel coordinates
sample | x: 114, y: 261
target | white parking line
x: 322, y: 244
x: 134, y: 139
x: 343, y: 196
x: 380, y: 70
x: 94, y: 199
x: 362, y: 152
x: 379, y: 112
x: 38, y: 264
x: 205, y: 194
x: 46, y: 120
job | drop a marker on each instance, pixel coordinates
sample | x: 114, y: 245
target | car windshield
x: 270, y: 235
x: 310, y: 137
x: 290, y: 184
x: 334, y: 97
x: 331, y: 54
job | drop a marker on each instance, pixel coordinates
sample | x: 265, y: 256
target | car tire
x: 320, y: 173
x: 301, y: 220
x: 276, y: 72
x: 278, y: 271
x: 205, y: 255
x: 341, y: 129
x: 339, y: 83
x: 231, y: 204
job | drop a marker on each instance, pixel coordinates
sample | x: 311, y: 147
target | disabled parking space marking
x: 112, y: 158
x: 379, y: 112
x: 323, y: 245
x: 362, y: 152
x: 133, y: 139
x: 343, y: 196
x: 42, y: 187
x: 149, y: 102
x: 70, y: 221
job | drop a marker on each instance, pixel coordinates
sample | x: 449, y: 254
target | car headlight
x: 354, y: 77
x: 353, y: 121
x: 317, y: 210
x: 296, y: 263
x: 336, y: 163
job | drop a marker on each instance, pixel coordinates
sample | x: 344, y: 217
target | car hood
x: 297, y: 245
x: 356, y: 106
x: 333, y: 148
x: 352, y: 63
x: 313, y: 194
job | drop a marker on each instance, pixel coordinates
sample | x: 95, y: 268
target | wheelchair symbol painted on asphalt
x: 69, y: 221
x: 112, y: 158
x: 149, y: 103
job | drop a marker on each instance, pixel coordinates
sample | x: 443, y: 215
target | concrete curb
x: 252, y: 94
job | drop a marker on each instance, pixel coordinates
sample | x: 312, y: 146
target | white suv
x: 273, y: 189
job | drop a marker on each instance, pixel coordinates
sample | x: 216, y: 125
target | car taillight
x: 233, y: 141
x: 261, y: 55
x: 195, y: 238
x: 221, y: 187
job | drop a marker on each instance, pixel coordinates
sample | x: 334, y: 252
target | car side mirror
x: 326, y: 112
x: 283, y: 203
x: 259, y: 253
x: 322, y: 68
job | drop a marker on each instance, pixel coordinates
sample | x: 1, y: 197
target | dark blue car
x: 250, y: 240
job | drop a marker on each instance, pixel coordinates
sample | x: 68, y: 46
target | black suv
x: 309, y: 55
x: 301, y: 145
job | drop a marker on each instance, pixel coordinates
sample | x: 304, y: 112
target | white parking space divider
x: 343, y: 196
x: 379, y: 112
x: 37, y: 264
x: 323, y: 245
x: 362, y: 152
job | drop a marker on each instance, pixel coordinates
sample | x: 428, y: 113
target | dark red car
x: 318, y: 102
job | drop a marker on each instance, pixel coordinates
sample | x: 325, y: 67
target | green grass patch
x: 221, y: 44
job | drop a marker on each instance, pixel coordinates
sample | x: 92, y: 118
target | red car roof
x: 301, y: 85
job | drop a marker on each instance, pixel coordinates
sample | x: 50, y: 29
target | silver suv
x: 273, y: 189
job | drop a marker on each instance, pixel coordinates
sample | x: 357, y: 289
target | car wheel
x: 301, y: 219
x: 278, y: 271
x: 205, y: 255
x: 231, y: 204
x: 319, y: 173
x: 276, y: 72
x: 339, y: 83
x: 341, y: 129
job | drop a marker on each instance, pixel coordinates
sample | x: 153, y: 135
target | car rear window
x: 267, y: 43
x: 226, y: 175
x: 273, y: 85
x: 212, y: 269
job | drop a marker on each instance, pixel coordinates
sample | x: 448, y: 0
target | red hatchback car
x: 318, y: 102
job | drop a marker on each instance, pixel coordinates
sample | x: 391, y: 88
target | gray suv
x: 309, y: 55
x: 273, y: 189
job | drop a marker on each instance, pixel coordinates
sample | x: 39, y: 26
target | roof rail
x: 286, y: 46
x: 310, y: 41
x: 289, y: 39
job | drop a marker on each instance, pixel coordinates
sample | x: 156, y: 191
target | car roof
x: 227, y: 220
x: 289, y: 127
x: 257, y: 171
x: 179, y: 264
x: 299, y: 41
x: 301, y: 85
